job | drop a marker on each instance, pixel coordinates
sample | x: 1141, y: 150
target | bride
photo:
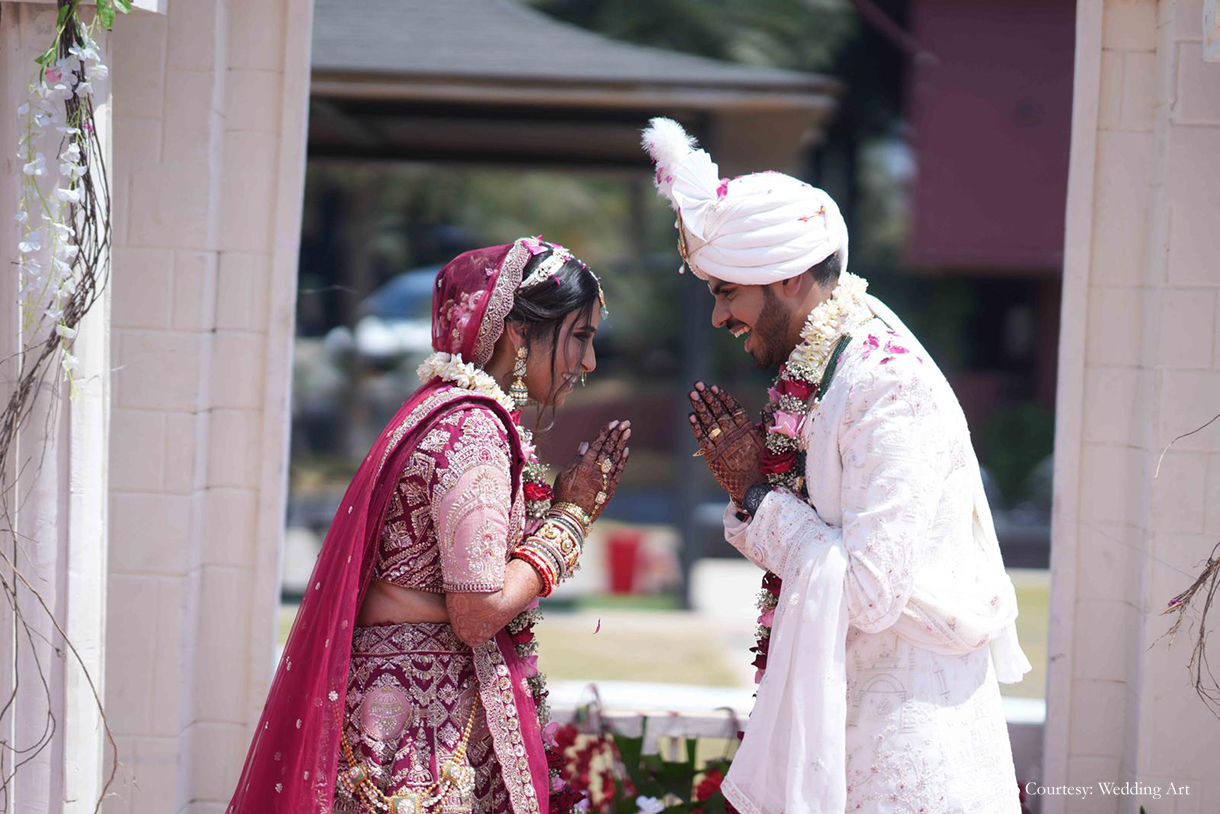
x: 408, y: 682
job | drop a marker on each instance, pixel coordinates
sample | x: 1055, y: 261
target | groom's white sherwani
x: 896, y: 617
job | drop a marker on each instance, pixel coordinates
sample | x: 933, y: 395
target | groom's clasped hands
x: 731, y: 444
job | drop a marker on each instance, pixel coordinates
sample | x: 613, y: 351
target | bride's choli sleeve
x: 471, y: 502
x: 895, y: 455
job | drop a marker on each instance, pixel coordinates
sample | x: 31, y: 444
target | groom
x: 890, y: 614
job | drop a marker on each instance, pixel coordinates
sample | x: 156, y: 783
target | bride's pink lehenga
x: 435, y: 506
x: 453, y: 520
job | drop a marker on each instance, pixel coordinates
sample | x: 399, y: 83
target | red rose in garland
x: 538, y: 491
x: 797, y: 388
x: 777, y: 463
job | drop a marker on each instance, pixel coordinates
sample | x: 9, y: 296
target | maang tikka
x: 519, y: 393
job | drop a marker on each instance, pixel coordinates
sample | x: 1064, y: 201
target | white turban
x: 751, y: 230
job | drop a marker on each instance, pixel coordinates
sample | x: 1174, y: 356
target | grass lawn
x: 661, y: 646
x: 608, y: 638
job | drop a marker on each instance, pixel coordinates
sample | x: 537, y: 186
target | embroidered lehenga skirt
x: 410, y: 693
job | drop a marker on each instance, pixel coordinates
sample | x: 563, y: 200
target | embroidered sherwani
x: 893, y: 591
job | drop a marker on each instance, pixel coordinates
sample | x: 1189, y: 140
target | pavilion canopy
x: 496, y: 80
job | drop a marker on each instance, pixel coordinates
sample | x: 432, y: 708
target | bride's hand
x: 591, y: 478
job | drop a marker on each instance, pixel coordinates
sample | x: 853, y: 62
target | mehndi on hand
x: 592, y: 477
x: 730, y: 443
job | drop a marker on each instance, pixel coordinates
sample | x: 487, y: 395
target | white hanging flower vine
x: 63, y: 206
x: 62, y: 263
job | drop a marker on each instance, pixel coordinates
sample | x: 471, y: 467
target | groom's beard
x: 771, y: 334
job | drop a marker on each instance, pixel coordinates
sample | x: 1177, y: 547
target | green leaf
x: 48, y: 56
x: 676, y: 778
x: 105, y: 13
x: 63, y: 15
x: 631, y: 750
x: 691, y: 745
x: 123, y: 6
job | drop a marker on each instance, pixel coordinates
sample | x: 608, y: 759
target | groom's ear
x: 793, y: 286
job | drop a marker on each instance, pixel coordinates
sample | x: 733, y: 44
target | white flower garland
x: 449, y: 367
x: 825, y: 324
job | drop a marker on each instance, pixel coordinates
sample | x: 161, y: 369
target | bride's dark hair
x: 542, y: 308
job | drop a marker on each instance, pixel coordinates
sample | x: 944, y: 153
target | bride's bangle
x: 561, y: 536
x: 575, y: 512
x: 542, y: 564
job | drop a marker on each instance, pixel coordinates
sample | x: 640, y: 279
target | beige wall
x: 1139, y: 364
x: 209, y: 131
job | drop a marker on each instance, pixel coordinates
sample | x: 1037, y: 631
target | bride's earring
x: 519, y: 393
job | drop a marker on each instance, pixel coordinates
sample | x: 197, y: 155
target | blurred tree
x: 801, y: 35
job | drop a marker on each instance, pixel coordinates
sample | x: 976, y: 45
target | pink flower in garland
x: 529, y: 666
x: 773, y: 394
x: 767, y: 617
x: 788, y: 424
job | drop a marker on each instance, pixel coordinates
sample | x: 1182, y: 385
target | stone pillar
x: 1139, y: 364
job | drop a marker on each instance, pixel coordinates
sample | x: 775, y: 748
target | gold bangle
x: 577, y: 513
x: 560, y: 538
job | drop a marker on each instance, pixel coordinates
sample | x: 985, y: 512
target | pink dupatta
x: 293, y: 758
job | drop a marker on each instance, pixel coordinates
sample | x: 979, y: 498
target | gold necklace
x: 454, y: 775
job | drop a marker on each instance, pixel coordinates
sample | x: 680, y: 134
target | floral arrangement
x: 607, y: 773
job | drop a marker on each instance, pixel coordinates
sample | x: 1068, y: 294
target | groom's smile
x: 753, y: 313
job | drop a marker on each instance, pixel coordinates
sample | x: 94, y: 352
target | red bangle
x: 540, y: 565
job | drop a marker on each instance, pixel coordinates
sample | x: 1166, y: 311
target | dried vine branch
x: 1204, y: 681
x: 1205, y: 586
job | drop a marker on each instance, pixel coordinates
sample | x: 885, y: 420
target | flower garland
x: 801, y: 381
x: 449, y: 367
